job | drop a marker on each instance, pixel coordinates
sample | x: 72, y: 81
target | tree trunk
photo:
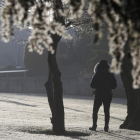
x: 55, y: 91
x: 132, y: 120
x: 54, y: 85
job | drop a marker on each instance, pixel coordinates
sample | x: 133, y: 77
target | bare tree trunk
x: 58, y: 118
x: 132, y: 120
x: 55, y: 91
x: 50, y: 94
x: 134, y: 123
x: 54, y: 85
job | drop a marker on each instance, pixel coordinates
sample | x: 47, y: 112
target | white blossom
x: 42, y: 19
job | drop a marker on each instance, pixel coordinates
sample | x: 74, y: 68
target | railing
x: 14, y: 71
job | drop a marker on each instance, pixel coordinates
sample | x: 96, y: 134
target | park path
x: 27, y: 117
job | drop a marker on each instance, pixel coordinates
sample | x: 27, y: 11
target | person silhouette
x: 103, y: 82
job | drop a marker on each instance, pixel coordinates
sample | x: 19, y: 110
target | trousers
x: 106, y: 100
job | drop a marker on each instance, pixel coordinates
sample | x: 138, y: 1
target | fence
x: 74, y: 83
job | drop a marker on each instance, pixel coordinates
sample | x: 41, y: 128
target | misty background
x: 76, y: 61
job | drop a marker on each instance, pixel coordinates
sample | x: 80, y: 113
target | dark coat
x: 103, y: 81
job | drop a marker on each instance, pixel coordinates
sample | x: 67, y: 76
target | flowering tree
x: 49, y: 20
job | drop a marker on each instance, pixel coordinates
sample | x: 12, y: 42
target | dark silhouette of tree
x: 132, y: 120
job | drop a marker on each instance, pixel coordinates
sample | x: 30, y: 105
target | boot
x: 93, y: 128
x: 125, y: 123
x: 106, y: 128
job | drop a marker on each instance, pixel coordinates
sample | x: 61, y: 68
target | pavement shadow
x: 17, y: 103
x: 115, y: 135
x: 69, y: 133
x: 33, y: 101
x: 76, y: 133
x: 26, y: 94
x: 112, y: 117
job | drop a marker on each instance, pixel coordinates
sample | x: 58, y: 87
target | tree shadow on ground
x: 115, y: 135
x: 75, y: 134
x: 17, y: 103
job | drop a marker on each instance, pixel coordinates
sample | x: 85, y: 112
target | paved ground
x: 26, y: 117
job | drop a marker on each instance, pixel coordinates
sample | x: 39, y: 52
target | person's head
x: 103, y: 66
